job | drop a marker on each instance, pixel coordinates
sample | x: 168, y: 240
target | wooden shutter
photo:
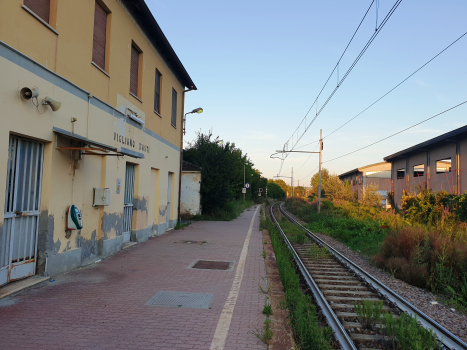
x: 174, y: 107
x: 157, y: 92
x: 134, y: 71
x: 40, y: 8
x: 100, y: 25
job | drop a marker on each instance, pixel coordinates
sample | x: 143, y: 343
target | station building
x: 91, y: 111
x: 437, y: 164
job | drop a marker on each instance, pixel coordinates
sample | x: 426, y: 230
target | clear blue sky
x: 259, y: 65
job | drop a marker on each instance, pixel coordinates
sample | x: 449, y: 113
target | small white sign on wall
x: 119, y: 185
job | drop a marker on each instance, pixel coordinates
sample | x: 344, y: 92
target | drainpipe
x: 181, y: 153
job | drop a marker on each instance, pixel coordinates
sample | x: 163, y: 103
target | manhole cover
x: 181, y: 299
x: 192, y: 242
x: 213, y: 265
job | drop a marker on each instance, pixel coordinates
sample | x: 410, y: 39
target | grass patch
x: 351, y: 224
x: 180, y: 226
x: 303, y: 316
x: 231, y: 210
x: 267, y: 309
x: 265, y: 334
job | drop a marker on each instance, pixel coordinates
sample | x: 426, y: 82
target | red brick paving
x: 103, y: 306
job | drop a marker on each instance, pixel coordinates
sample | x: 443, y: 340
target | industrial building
x: 91, y: 107
x: 378, y: 174
x: 436, y: 164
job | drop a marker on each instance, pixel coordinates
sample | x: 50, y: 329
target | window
x: 174, y: 107
x: 380, y: 174
x: 157, y: 93
x: 419, y: 170
x: 40, y: 7
x: 99, y: 37
x: 401, y: 173
x: 443, y: 166
x: 134, y: 70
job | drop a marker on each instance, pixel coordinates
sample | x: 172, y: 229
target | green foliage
x: 180, y: 226
x: 223, y: 166
x: 265, y: 335
x: 281, y: 183
x: 335, y: 189
x: 275, y: 190
x: 267, y: 309
x: 459, y: 296
x: 228, y: 212
x: 308, y: 334
x: 369, y: 312
x: 350, y: 223
x: 315, y: 182
x: 370, y: 196
x: 405, y: 333
x: 441, y: 210
x: 316, y: 252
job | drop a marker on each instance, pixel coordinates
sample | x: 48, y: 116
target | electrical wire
x: 377, y: 31
x: 397, y: 133
x: 330, y: 75
x: 387, y: 93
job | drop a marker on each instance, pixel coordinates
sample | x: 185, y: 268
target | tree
x: 336, y: 189
x: 282, y: 184
x: 371, y: 196
x: 299, y: 191
x: 314, y: 182
x: 275, y: 191
x: 222, y: 170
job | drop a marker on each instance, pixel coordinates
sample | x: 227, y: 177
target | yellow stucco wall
x: 97, y: 102
x: 69, y: 54
x: 23, y: 118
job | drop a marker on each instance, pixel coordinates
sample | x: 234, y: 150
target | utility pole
x: 320, y: 159
x: 244, y: 181
x: 291, y: 183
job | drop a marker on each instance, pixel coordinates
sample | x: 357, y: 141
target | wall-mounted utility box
x: 101, y: 196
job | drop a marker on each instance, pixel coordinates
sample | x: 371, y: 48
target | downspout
x: 181, y: 154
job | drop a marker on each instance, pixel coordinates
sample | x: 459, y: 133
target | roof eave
x: 449, y: 137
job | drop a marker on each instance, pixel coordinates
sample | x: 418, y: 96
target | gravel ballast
x: 420, y: 298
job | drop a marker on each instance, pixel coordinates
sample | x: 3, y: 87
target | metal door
x: 128, y: 201
x: 169, y: 197
x: 18, y: 241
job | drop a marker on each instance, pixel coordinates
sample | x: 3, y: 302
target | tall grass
x: 422, y: 245
x: 303, y: 316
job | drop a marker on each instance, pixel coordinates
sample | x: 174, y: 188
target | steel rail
x: 446, y: 337
x: 339, y: 332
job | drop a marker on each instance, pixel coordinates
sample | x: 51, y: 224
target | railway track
x: 337, y: 283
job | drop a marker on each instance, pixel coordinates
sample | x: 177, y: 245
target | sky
x: 259, y: 65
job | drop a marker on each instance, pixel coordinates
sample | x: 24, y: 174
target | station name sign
x: 129, y: 141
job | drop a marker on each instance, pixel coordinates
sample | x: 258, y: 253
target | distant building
x: 76, y: 133
x: 190, y: 194
x: 378, y: 174
x: 435, y: 164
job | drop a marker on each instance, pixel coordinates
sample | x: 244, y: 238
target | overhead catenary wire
x: 387, y: 93
x: 377, y: 31
x: 397, y: 133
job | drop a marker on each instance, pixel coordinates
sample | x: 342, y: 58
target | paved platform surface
x: 103, y: 306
